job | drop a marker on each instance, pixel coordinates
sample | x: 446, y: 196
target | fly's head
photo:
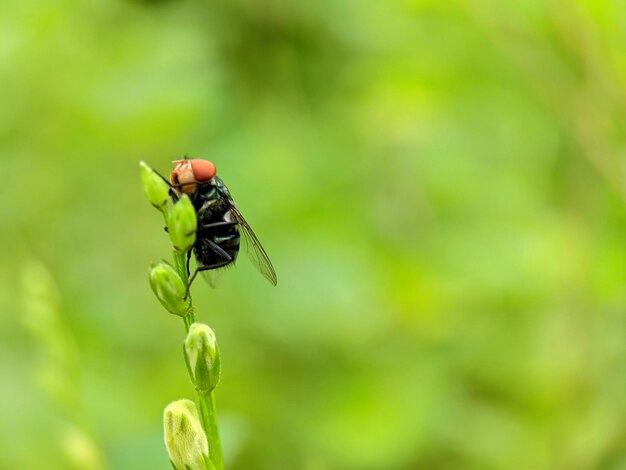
x: 188, y: 173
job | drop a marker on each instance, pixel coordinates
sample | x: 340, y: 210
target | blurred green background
x: 441, y: 187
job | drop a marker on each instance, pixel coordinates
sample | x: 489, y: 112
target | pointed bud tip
x: 157, y: 191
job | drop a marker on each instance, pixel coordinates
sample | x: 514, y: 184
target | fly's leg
x: 204, y: 268
x: 205, y: 227
x: 163, y: 178
x: 173, y: 194
x: 188, y: 259
x: 218, y: 249
x: 208, y: 227
x: 227, y: 259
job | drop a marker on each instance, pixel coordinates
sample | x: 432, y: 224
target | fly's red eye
x: 203, y: 170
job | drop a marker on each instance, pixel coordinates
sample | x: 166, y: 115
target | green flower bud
x: 182, y: 223
x: 202, y: 357
x: 157, y: 191
x: 185, y: 439
x: 169, y: 289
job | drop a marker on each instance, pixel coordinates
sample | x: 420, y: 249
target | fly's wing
x: 256, y: 253
x: 214, y: 276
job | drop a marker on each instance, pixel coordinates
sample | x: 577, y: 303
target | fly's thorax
x: 227, y: 237
x: 212, y: 210
x: 213, y: 202
x: 221, y: 187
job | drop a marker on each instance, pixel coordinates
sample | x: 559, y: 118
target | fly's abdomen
x: 225, y: 237
x: 207, y: 255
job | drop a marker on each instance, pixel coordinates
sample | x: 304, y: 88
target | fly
x: 220, y: 224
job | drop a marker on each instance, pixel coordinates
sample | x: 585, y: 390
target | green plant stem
x: 188, y: 321
x: 180, y: 259
x: 206, y: 400
x: 208, y: 415
x: 180, y: 263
